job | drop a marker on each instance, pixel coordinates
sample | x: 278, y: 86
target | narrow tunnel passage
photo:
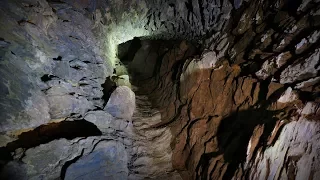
x: 144, y: 61
x: 177, y: 90
x: 171, y: 90
x: 154, y: 68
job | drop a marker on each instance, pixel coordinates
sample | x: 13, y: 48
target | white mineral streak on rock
x: 310, y: 108
x: 264, y: 37
x: 208, y: 60
x: 303, y: 70
x: 283, y: 42
x: 301, y: 43
x: 288, y: 96
x: 278, y: 60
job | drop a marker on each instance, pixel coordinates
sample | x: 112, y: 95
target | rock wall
x: 76, y: 41
x: 51, y: 64
x: 239, y: 101
x: 237, y: 111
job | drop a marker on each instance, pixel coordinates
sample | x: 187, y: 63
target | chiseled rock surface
x: 95, y: 157
x: 303, y: 70
x: 51, y: 64
x: 294, y: 155
x: 246, y: 108
x: 222, y: 117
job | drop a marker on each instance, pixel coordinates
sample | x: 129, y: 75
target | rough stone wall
x: 228, y: 125
x: 247, y: 107
x: 55, y: 41
x: 51, y: 64
x: 241, y: 109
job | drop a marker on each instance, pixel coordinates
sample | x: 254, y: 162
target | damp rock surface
x: 162, y: 89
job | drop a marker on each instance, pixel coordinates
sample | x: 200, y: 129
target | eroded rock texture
x: 205, y: 89
x: 229, y: 125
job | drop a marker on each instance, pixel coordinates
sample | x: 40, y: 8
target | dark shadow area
x: 292, y: 7
x: 308, y: 96
x: 46, y: 133
x: 5, y: 156
x: 59, y: 58
x: 234, y: 134
x: 146, y: 61
x: 108, y: 87
x: 47, y: 77
x: 127, y: 50
x: 14, y: 170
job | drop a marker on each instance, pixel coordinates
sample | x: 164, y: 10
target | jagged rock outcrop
x: 238, y: 100
x: 96, y: 157
x: 51, y: 64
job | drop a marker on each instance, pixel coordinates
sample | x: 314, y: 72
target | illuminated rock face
x: 238, y: 98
